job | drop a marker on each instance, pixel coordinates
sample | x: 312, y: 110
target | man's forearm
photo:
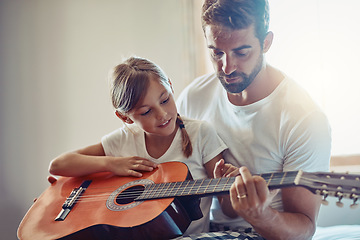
x: 284, y: 225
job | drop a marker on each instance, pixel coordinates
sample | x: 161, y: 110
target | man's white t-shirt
x: 284, y: 131
x: 130, y: 141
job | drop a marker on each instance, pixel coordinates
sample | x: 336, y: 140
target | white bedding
x: 348, y: 232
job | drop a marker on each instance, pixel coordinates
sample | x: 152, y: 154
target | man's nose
x: 228, y: 65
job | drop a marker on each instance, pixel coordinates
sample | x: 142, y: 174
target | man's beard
x: 238, y: 87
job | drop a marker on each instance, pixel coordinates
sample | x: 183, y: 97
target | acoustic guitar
x: 159, y: 205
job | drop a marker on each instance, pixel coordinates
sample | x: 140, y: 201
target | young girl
x: 153, y: 133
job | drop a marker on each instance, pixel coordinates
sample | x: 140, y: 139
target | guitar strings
x: 155, y: 190
x: 167, y: 190
x: 160, y: 188
x: 171, y: 189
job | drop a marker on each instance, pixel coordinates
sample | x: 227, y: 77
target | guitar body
x: 90, y: 218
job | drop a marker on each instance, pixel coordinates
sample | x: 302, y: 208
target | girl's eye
x: 165, y: 101
x: 145, y: 113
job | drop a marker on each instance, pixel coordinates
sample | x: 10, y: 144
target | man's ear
x: 123, y: 117
x: 268, y: 41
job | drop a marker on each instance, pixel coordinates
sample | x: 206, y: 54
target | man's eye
x: 242, y: 53
x: 217, y: 54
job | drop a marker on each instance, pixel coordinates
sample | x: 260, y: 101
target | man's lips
x: 232, y: 80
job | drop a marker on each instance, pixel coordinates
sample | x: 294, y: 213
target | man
x: 269, y: 123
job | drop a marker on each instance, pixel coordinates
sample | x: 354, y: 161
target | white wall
x: 317, y: 43
x: 54, y: 92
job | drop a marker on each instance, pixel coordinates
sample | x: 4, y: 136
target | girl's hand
x: 223, y: 169
x: 130, y: 166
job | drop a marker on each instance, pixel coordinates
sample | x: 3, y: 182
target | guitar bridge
x: 71, y: 200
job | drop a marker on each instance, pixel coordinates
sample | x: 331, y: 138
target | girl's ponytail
x: 186, y: 143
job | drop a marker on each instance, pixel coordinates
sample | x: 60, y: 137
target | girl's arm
x: 222, y: 169
x: 92, y: 159
x: 210, y: 165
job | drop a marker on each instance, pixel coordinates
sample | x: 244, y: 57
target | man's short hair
x: 238, y: 14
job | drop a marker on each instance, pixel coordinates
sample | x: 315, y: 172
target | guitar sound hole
x: 128, y: 195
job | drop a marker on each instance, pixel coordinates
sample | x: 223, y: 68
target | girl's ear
x: 123, y: 117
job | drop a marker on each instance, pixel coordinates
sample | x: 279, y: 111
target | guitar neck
x: 213, y: 186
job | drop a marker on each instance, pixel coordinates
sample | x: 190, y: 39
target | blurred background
x: 55, y: 57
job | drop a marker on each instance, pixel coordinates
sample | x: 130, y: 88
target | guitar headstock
x: 339, y: 185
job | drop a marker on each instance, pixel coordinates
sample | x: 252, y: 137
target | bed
x: 338, y: 232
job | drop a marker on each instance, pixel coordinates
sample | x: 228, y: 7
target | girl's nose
x: 161, y: 113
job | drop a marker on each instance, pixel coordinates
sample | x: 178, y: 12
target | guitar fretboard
x: 212, y: 186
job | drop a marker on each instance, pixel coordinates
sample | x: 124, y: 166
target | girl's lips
x: 165, y: 124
